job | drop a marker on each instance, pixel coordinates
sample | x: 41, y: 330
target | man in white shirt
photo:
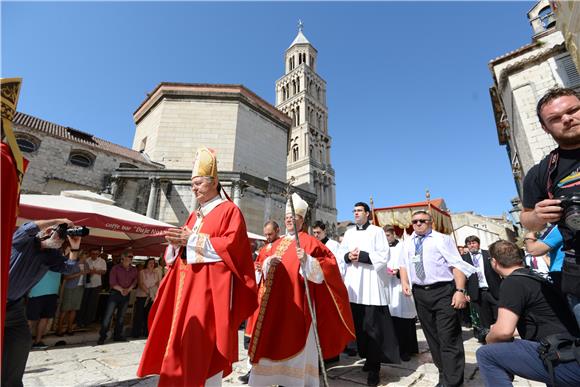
x: 363, y: 257
x: 402, y: 308
x: 96, y: 266
x: 431, y: 263
x: 319, y: 232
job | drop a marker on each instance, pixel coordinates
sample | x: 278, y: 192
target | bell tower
x: 301, y: 94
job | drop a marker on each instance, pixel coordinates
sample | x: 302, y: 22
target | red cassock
x: 283, y: 320
x: 194, y: 321
x: 8, y: 204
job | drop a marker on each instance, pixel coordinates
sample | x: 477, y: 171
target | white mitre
x: 300, y: 206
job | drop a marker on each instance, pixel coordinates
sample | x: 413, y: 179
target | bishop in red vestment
x: 13, y: 166
x: 282, y: 349
x: 208, y: 291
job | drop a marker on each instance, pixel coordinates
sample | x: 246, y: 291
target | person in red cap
x: 208, y: 291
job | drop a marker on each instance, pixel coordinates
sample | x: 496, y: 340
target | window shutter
x: 569, y: 69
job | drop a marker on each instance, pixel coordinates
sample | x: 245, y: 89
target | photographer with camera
x: 530, y: 303
x: 36, y: 248
x: 552, y: 187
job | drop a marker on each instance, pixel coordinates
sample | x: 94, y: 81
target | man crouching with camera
x: 546, y: 326
x: 36, y: 248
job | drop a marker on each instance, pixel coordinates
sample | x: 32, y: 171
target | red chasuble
x: 283, y: 318
x: 8, y: 206
x: 194, y: 321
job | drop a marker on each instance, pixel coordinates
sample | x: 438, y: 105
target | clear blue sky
x: 408, y: 82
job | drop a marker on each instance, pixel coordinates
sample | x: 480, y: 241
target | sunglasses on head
x: 420, y: 221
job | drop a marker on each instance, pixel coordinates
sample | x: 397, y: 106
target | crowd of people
x: 307, y: 299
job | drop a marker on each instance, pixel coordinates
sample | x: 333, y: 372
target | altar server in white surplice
x: 402, y: 308
x: 363, y: 256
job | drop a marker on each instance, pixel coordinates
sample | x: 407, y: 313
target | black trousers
x: 375, y: 335
x: 406, y: 332
x: 440, y: 323
x: 140, y: 317
x: 486, y: 308
x: 17, y: 344
x: 88, y: 310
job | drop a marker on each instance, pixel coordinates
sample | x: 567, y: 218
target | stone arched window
x: 27, y: 143
x: 297, y: 115
x: 283, y: 92
x: 295, y: 153
x: 298, y: 84
x: 81, y: 158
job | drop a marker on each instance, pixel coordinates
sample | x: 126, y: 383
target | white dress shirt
x: 480, y: 268
x: 439, y: 256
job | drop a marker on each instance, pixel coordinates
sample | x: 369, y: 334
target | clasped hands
x: 302, y: 256
x: 353, y: 255
x: 178, y: 236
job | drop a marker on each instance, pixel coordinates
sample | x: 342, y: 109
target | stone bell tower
x: 301, y: 94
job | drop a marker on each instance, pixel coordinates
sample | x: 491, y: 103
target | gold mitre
x: 300, y: 206
x: 10, y: 92
x: 205, y: 163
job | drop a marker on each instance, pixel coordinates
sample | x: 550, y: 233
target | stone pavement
x: 82, y: 363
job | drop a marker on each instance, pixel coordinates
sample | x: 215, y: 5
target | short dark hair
x: 507, y: 254
x: 364, y: 205
x: 389, y: 228
x: 319, y: 224
x: 273, y: 224
x: 551, y: 95
x: 424, y: 212
x: 472, y: 238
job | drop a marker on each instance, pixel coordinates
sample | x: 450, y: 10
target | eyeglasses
x: 420, y: 221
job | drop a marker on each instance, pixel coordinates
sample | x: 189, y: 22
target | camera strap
x: 552, y: 167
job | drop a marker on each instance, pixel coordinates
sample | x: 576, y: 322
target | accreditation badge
x: 416, y: 258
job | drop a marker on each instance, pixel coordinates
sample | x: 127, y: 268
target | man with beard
x: 364, y: 255
x: 552, y: 187
x: 283, y: 349
x: 36, y: 248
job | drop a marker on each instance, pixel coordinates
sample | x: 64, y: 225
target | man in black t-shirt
x: 536, y: 308
x: 555, y: 176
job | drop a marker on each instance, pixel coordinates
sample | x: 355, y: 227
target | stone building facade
x: 488, y: 228
x: 63, y: 158
x: 520, y: 78
x: 568, y: 22
x: 249, y: 135
x: 301, y: 94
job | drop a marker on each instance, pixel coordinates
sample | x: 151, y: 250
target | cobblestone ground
x: 82, y: 363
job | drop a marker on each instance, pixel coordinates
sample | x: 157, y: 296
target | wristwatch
x: 460, y: 290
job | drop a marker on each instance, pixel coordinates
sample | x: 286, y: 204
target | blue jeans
x: 499, y: 362
x: 119, y: 301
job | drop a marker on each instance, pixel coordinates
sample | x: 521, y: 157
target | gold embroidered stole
x: 264, y: 293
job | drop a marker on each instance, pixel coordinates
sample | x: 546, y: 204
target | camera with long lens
x: 571, y: 206
x: 63, y: 230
